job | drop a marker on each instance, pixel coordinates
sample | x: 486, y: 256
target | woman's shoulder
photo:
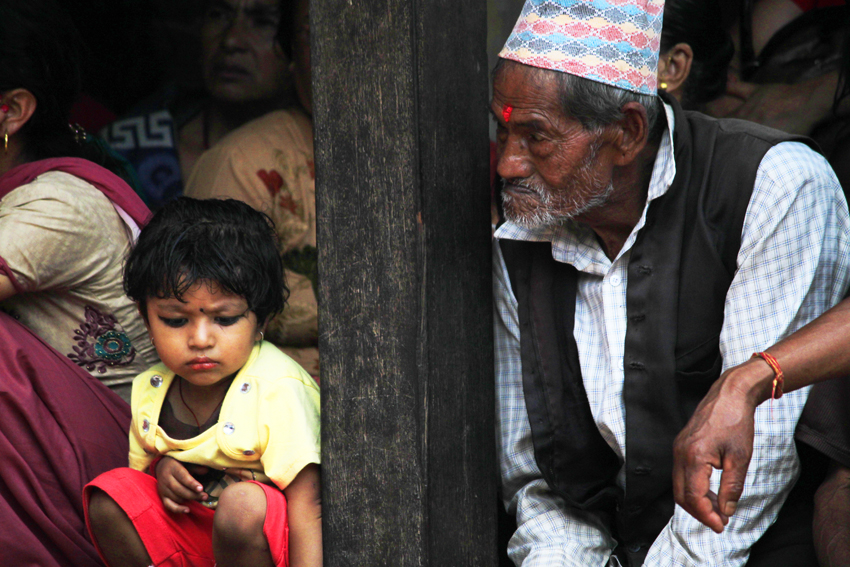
x: 277, y: 129
x: 58, y: 189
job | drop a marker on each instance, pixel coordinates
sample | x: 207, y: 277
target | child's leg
x: 238, y: 527
x: 246, y: 514
x: 169, y: 540
x: 114, y: 534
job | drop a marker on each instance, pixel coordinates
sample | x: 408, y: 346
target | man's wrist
x: 753, y: 380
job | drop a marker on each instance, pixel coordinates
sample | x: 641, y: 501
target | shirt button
x: 248, y: 452
x: 146, y: 425
x: 245, y: 388
x: 156, y: 380
x: 615, y: 281
x: 620, y: 364
x: 229, y: 428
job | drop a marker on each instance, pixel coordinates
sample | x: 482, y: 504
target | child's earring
x: 153, y: 344
x: 262, y: 336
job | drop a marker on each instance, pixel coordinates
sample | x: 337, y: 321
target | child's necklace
x: 195, y: 417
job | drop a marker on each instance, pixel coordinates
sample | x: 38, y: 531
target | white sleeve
x: 548, y: 534
x: 792, y: 266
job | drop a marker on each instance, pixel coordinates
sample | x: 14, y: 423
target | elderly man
x: 645, y: 250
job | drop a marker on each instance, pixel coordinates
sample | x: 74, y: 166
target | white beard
x: 552, y: 211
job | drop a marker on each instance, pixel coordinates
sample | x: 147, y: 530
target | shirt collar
x: 576, y: 244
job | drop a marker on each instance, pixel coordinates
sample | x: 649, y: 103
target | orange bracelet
x: 778, y: 378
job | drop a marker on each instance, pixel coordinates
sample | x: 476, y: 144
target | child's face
x: 206, y: 337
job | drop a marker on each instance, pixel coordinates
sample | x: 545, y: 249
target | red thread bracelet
x: 778, y: 376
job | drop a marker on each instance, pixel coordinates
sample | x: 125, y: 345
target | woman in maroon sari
x: 66, y: 329
x: 59, y: 428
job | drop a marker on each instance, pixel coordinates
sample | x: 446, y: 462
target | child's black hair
x: 224, y: 241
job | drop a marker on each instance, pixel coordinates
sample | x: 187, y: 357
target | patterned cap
x: 610, y: 41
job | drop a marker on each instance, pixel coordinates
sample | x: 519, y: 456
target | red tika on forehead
x: 506, y: 112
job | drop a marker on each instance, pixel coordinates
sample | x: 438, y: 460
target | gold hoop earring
x: 663, y: 86
x: 6, y: 142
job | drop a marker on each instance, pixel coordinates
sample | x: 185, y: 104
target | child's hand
x: 176, y: 485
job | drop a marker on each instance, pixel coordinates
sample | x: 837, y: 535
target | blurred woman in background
x: 245, y: 74
x: 695, y: 52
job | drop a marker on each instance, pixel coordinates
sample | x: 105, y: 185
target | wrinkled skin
x: 720, y: 436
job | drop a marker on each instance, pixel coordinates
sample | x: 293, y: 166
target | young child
x: 223, y: 406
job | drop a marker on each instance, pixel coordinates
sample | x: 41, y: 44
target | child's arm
x: 304, y: 504
x: 176, y: 485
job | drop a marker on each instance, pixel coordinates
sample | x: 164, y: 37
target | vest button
x: 634, y: 548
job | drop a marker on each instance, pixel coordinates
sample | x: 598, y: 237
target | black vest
x: 680, y: 269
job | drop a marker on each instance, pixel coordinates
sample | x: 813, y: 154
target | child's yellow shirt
x: 269, y: 420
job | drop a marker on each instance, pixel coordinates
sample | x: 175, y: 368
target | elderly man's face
x: 552, y: 167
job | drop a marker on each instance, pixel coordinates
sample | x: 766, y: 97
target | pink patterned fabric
x: 615, y: 42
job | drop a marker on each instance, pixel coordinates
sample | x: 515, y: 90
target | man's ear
x: 674, y: 68
x: 632, y: 133
x: 22, y: 105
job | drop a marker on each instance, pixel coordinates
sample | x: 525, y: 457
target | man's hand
x: 176, y: 485
x: 718, y: 436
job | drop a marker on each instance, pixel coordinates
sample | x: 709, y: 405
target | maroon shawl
x: 59, y: 428
x: 115, y: 188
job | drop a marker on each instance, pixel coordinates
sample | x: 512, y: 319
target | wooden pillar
x: 400, y: 113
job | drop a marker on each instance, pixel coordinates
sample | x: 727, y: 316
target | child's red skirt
x: 182, y: 540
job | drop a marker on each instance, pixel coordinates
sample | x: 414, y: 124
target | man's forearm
x: 817, y: 352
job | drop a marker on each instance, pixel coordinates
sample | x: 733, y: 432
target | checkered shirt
x: 792, y: 266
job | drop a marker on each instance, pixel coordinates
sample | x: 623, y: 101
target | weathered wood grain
x: 400, y: 97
